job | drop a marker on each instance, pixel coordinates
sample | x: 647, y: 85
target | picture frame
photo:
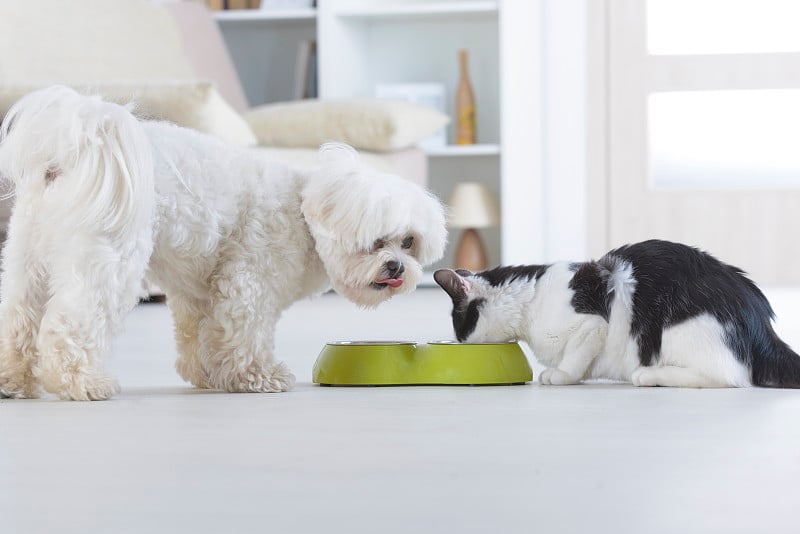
x: 428, y: 94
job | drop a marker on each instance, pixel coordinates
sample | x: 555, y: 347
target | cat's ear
x: 452, y: 283
x: 464, y: 272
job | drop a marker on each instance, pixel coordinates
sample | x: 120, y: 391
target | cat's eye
x: 408, y: 242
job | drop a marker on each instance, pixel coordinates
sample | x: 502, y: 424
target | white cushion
x: 195, y: 105
x: 409, y: 163
x: 374, y: 124
x: 79, y: 41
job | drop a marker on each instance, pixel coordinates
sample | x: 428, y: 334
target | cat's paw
x: 556, y: 377
x: 644, y: 377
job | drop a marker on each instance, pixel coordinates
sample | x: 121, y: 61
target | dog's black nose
x: 394, y: 268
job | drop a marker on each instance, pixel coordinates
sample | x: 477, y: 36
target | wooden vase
x: 465, y: 104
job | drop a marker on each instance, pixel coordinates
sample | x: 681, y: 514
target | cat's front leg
x: 583, y: 345
x: 552, y: 376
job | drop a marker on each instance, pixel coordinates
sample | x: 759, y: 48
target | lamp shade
x: 472, y: 205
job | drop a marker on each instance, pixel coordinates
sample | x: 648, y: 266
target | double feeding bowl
x: 402, y: 363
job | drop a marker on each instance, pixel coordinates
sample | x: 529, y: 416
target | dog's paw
x: 191, y: 370
x: 81, y: 385
x: 556, y: 377
x: 17, y: 381
x: 28, y: 390
x: 14, y: 390
x: 99, y: 388
x: 274, y: 379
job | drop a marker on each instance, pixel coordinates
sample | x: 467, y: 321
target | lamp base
x: 470, y: 253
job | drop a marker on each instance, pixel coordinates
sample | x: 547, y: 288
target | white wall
x: 521, y: 108
x: 544, y: 133
x: 565, y: 136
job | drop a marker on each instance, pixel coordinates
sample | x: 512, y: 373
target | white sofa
x: 165, y: 50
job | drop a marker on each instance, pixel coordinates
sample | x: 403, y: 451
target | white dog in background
x: 104, y: 200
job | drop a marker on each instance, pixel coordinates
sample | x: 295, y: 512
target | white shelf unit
x: 264, y: 15
x: 378, y: 42
x: 263, y: 45
x: 362, y: 43
x: 487, y: 149
x: 416, y: 9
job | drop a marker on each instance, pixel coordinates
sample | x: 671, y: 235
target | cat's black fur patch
x: 669, y: 284
x: 675, y: 282
x: 593, y: 292
x: 504, y: 275
x: 465, y: 319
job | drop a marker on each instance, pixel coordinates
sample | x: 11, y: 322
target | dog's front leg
x: 238, y: 343
x: 189, y: 315
x: 238, y: 351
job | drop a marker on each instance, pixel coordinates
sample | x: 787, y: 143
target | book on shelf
x: 215, y: 5
x: 305, y: 74
x: 311, y: 91
x: 287, y: 4
x: 219, y: 5
x: 426, y: 94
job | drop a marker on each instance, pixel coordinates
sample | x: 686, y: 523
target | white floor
x: 163, y: 457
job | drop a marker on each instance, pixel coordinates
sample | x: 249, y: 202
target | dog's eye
x: 378, y: 244
x: 408, y: 242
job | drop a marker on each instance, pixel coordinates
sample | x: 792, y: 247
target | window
x: 722, y: 26
x: 724, y: 139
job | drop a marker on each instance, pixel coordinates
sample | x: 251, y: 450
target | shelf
x: 265, y: 15
x: 463, y: 150
x: 422, y: 9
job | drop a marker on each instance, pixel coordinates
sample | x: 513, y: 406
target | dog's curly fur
x: 104, y: 200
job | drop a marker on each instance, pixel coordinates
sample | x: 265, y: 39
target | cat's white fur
x: 576, y: 346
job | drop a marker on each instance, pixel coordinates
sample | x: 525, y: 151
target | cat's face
x: 482, y: 312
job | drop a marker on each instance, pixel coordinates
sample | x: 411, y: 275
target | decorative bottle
x: 465, y: 104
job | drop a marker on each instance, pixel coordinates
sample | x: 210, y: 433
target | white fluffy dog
x: 233, y: 238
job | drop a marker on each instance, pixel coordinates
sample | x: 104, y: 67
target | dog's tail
x: 86, y: 163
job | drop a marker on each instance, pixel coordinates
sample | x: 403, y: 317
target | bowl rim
x: 369, y: 343
x: 459, y: 343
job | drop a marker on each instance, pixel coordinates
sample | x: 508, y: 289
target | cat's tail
x: 773, y: 362
x: 778, y: 366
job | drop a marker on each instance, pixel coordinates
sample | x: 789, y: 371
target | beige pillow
x: 369, y: 124
x: 195, y: 105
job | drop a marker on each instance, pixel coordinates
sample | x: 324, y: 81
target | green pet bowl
x: 404, y: 363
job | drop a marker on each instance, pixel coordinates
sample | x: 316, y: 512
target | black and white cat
x: 654, y: 313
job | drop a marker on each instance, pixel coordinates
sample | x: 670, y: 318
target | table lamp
x: 472, y: 206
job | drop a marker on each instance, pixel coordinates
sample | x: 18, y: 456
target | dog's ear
x: 354, y: 205
x: 339, y: 202
x: 428, y: 221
